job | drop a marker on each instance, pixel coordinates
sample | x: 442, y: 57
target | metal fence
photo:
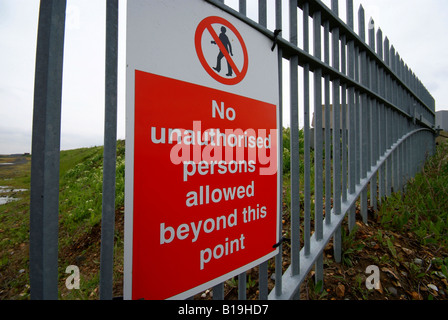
x: 379, y: 139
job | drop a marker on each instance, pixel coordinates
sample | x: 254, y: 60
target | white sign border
x: 129, y: 189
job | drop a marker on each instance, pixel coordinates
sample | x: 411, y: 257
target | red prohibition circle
x: 206, y: 24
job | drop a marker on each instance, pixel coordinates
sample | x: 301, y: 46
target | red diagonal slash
x: 223, y: 50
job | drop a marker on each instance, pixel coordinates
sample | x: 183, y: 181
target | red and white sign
x: 202, y: 157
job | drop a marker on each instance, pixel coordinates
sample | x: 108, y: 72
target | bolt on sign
x: 202, y: 148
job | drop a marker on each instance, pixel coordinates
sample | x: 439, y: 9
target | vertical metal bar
x: 393, y: 128
x: 381, y: 122
x: 404, y: 130
x: 242, y: 276
x: 382, y: 168
x: 378, y: 122
x: 278, y: 257
x: 389, y: 125
x: 110, y: 153
x: 242, y: 7
x: 318, y: 183
x: 44, y: 197
x: 242, y: 286
x: 400, y: 154
x: 218, y: 292
x: 263, y: 268
x: 335, y: 7
x: 295, y: 159
x: 327, y: 126
x: 394, y: 139
x: 373, y: 142
x: 382, y: 176
x: 352, y: 168
x: 262, y: 13
x: 306, y: 132
x: 337, y: 110
x: 318, y: 144
x: 398, y: 124
x: 336, y: 123
x: 357, y: 120
x: 397, y: 132
x: 408, y: 152
x: 344, y: 120
x: 263, y: 281
x: 350, y: 17
x: 406, y: 155
x: 404, y: 126
x: 388, y: 118
x: 364, y: 113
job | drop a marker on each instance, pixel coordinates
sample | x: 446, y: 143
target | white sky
x: 416, y: 29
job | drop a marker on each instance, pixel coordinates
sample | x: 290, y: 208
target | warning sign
x: 201, y: 192
x: 205, y: 196
x: 236, y: 68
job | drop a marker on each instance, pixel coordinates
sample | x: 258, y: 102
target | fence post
x: 278, y: 257
x: 337, y: 138
x: 44, y: 197
x: 374, y: 142
x: 110, y: 152
x: 352, y: 168
x: 365, y: 112
x: 294, y: 141
x: 306, y: 134
x: 318, y: 142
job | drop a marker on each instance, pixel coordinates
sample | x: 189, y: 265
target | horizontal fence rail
x: 373, y: 127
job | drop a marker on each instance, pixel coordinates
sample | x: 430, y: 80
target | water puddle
x: 7, y: 198
x: 4, y: 200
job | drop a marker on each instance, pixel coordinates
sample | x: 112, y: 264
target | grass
x: 81, y: 184
x: 80, y: 206
x: 423, y: 209
x: 80, y: 201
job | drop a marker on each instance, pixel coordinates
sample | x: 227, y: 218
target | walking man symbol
x: 228, y: 47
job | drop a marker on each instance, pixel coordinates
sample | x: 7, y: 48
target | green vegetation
x: 423, y: 209
x: 80, y: 207
x: 80, y: 201
x: 81, y: 184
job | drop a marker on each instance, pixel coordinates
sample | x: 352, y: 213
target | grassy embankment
x: 79, y: 223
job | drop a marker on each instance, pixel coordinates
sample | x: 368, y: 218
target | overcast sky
x: 417, y: 29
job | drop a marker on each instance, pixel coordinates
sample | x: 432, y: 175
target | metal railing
x: 379, y: 139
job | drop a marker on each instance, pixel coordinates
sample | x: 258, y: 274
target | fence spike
x: 362, y: 23
x: 350, y: 16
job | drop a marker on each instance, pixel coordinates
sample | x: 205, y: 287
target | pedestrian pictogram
x: 227, y: 48
x: 211, y: 48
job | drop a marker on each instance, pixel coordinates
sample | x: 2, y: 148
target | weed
x: 350, y: 246
x: 317, y: 290
x: 391, y: 247
x: 250, y: 283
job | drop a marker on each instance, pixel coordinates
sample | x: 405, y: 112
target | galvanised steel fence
x: 378, y: 141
